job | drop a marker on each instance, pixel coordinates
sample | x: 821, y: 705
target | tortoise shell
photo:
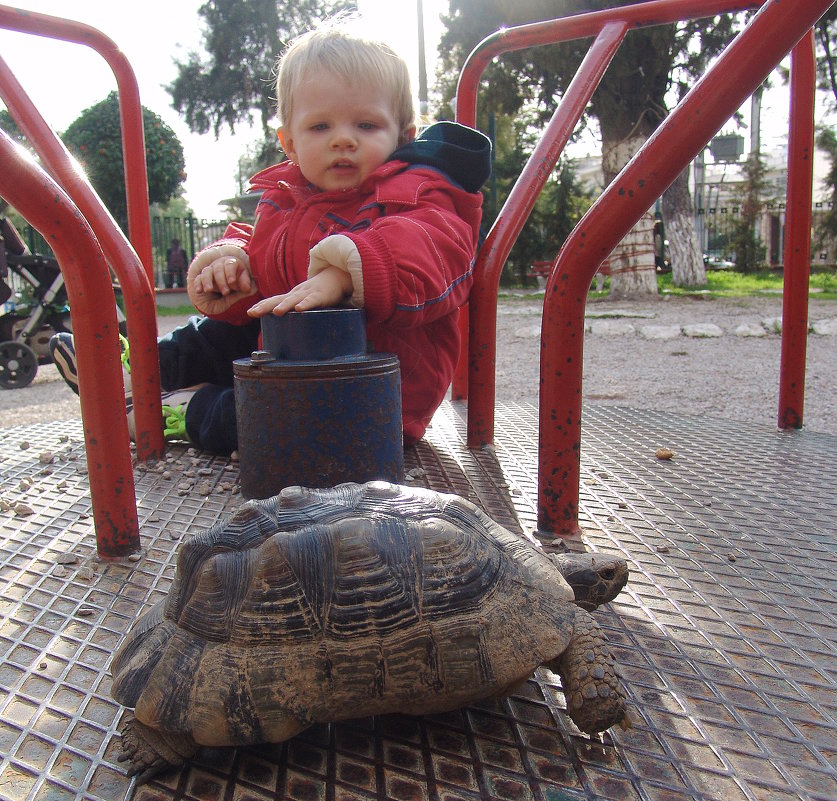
x: 321, y: 605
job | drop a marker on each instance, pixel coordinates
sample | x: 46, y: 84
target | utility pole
x: 422, y: 63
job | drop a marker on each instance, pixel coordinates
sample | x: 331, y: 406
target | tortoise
x: 319, y: 605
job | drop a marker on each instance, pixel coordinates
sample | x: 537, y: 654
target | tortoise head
x: 595, y: 578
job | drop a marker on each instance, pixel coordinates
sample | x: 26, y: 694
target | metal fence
x: 716, y: 227
x: 193, y: 234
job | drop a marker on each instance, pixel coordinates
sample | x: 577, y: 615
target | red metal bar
x: 743, y: 66
x: 138, y: 293
x: 488, y: 270
x: 133, y: 136
x: 797, y: 257
x: 41, y: 201
x: 506, y: 228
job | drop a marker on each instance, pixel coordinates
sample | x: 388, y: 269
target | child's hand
x: 218, y: 278
x: 329, y: 287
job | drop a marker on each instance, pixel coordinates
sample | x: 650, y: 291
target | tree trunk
x: 687, y: 267
x: 633, y: 273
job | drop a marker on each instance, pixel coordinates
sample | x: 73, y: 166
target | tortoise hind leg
x: 594, y: 692
x: 151, y: 752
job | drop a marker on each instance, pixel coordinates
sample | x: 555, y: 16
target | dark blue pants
x: 200, y: 351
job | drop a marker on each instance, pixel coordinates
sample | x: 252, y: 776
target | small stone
x: 24, y: 445
x: 85, y: 611
x: 750, y: 330
x: 22, y: 510
x: 66, y: 559
x: 205, y: 471
x: 417, y: 472
x: 161, y: 467
x: 664, y: 453
x: 702, y: 330
x: 184, y: 486
x: 825, y: 328
x: 43, y: 665
x: 609, y: 328
x: 234, y: 456
x: 189, y: 473
x: 85, y: 574
x: 204, y: 488
x: 59, y: 572
x: 660, y: 331
x: 62, y: 484
x: 134, y: 557
x: 731, y: 557
x: 24, y: 485
x: 46, y: 457
x: 166, y: 475
x: 4, y: 505
x: 662, y: 549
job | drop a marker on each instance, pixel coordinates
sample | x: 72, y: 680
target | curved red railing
x: 138, y: 293
x: 474, y: 377
x: 743, y: 66
x: 48, y: 208
x: 130, y: 109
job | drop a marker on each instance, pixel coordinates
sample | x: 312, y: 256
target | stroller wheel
x: 18, y: 365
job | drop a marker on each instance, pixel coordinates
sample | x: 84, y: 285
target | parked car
x: 717, y: 262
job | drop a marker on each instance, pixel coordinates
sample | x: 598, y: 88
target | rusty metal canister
x: 314, y: 408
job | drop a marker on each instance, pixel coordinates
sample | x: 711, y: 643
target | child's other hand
x: 218, y: 278
x: 329, y: 287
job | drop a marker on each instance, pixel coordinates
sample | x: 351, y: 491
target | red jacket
x: 416, y: 233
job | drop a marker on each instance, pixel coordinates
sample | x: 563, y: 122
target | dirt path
x: 731, y: 376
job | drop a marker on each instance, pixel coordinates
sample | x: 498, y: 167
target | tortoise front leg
x: 151, y: 752
x: 594, y: 692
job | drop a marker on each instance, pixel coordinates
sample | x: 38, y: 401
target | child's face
x: 340, y: 131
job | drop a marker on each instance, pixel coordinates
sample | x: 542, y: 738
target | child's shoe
x: 63, y: 351
x: 175, y: 404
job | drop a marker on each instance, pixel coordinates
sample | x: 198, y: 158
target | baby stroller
x: 34, y: 307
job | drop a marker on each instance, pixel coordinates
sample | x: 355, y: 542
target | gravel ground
x: 729, y: 376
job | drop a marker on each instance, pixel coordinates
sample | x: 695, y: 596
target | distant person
x: 361, y: 214
x: 176, y: 263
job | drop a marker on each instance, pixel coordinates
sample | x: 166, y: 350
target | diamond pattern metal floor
x: 727, y: 631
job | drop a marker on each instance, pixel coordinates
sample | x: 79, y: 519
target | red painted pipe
x: 506, y: 228
x: 133, y: 136
x: 48, y: 208
x: 140, y: 306
x: 482, y: 335
x: 797, y: 257
x: 743, y: 66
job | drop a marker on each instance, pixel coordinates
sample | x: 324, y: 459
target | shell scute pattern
x: 321, y: 605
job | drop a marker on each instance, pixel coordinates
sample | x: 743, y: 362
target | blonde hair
x: 333, y: 48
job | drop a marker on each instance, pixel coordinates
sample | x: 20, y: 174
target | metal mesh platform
x: 726, y: 632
